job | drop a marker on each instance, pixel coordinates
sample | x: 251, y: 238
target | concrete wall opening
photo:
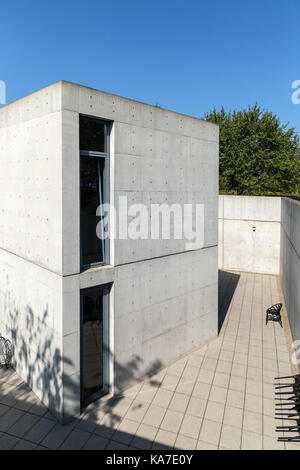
x: 94, y: 189
x: 94, y: 343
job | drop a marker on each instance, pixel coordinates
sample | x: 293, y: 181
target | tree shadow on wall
x: 36, y: 351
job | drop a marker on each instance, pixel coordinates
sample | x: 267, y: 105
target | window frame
x: 106, y: 189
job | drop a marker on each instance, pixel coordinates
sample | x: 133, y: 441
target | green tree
x: 258, y: 155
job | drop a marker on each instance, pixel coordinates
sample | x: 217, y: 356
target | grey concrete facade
x: 249, y: 233
x: 163, y: 303
x: 290, y: 262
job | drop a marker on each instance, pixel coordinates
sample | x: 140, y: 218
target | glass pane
x: 92, y: 343
x: 91, y: 177
x: 92, y: 135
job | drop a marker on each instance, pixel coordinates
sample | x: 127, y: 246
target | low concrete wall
x: 249, y: 233
x: 290, y: 261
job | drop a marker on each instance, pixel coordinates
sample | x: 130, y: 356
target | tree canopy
x: 258, y: 155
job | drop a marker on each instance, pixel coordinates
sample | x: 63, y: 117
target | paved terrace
x: 219, y: 397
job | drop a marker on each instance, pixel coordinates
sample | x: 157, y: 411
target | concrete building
x: 87, y: 316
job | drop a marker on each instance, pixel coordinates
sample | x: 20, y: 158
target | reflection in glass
x: 92, y: 135
x: 92, y: 343
x: 91, y: 196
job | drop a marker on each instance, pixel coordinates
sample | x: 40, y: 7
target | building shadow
x: 228, y: 282
x: 27, y: 424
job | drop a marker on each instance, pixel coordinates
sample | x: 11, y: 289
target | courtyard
x: 220, y: 396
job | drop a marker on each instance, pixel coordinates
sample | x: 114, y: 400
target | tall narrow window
x: 94, y: 342
x: 94, y: 190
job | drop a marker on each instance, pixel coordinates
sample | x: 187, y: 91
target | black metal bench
x: 273, y: 313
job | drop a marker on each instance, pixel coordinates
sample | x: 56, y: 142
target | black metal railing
x: 287, y: 396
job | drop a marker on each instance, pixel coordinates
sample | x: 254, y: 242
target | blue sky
x: 187, y: 56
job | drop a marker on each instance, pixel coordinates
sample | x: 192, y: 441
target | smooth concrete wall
x: 163, y: 309
x: 290, y: 262
x: 31, y: 178
x: 249, y: 233
x: 31, y: 264
x: 157, y: 156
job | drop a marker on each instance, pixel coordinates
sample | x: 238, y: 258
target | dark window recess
x: 91, y: 195
x: 91, y: 344
x: 92, y: 135
x: 94, y: 191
